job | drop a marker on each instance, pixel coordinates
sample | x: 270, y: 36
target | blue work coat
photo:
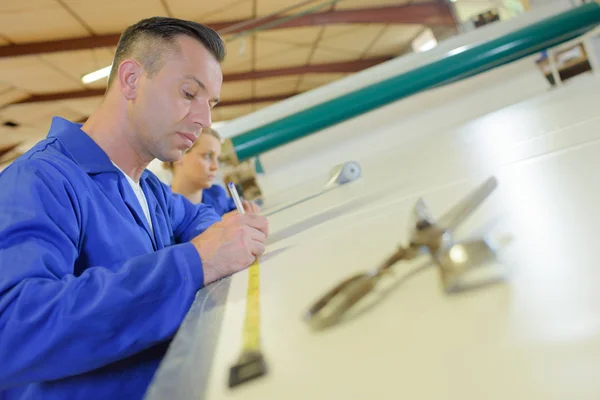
x: 216, y: 197
x: 89, y: 297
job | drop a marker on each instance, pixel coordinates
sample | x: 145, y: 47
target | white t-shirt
x: 139, y: 193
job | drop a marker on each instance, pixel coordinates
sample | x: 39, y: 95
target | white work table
x: 534, y: 336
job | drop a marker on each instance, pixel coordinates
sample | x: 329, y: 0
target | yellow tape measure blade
x: 249, y: 366
x: 251, y: 363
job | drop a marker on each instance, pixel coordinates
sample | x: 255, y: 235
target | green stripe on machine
x: 521, y: 43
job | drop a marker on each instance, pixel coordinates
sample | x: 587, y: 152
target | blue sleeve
x: 189, y: 219
x: 216, y: 197
x: 54, y: 324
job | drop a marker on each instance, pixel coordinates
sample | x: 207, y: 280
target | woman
x: 195, y: 172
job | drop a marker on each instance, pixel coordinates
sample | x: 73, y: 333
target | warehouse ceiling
x: 275, y: 49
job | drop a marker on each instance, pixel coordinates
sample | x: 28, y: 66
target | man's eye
x: 188, y: 95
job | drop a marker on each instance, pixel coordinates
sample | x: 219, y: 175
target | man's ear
x: 129, y: 75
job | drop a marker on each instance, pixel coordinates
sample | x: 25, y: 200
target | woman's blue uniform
x: 216, y: 197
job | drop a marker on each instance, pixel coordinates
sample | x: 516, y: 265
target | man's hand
x: 231, y: 245
x: 250, y: 207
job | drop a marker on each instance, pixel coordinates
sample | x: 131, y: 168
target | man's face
x: 199, y: 166
x: 171, y: 107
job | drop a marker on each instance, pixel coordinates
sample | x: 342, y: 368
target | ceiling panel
x: 265, y: 7
x: 331, y: 31
x: 199, y: 10
x: 231, y: 112
x: 276, y: 86
x: 39, y: 115
x: 258, y: 106
x: 75, y: 64
x: 11, y: 95
x: 315, y: 6
x: 236, y: 90
x: 311, y: 81
x: 266, y: 48
x: 25, y: 113
x: 8, y: 147
x: 113, y: 16
x: 216, y: 115
x: 4, y: 86
x: 299, y: 36
x: 236, y: 10
x: 33, y: 75
x: 393, y: 40
x: 326, y: 55
x: 357, y: 39
x: 32, y: 115
x: 21, y: 134
x: 239, y: 56
x: 84, y: 107
x: 36, y: 20
x: 241, y: 67
x: 44, y: 120
x: 30, y: 5
x: 286, y: 59
x: 369, y: 3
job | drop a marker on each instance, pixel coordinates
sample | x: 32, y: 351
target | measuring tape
x: 251, y: 363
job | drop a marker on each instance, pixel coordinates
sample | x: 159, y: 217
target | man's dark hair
x: 152, y: 40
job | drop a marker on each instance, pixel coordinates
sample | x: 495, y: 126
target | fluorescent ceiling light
x: 424, y: 41
x: 458, y: 50
x: 96, y: 75
x: 218, y: 124
x: 428, y: 45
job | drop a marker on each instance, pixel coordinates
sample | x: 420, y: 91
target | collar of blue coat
x: 90, y: 157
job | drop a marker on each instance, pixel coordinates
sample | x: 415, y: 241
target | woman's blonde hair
x: 209, y: 131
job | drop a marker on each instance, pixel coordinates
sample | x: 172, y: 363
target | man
x: 99, y: 261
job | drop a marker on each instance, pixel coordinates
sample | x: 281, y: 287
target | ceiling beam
x: 239, y: 102
x: 9, y: 152
x: 255, y: 100
x: 432, y: 13
x: 338, y: 67
x: 5, y: 148
x: 75, y: 94
x: 99, y: 92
